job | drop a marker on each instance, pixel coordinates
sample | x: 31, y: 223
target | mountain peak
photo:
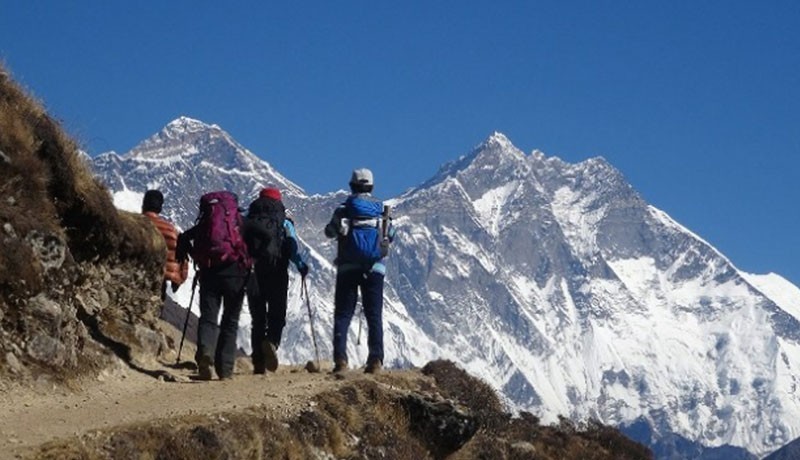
x: 182, y: 136
x: 495, y: 153
x: 186, y: 125
x: 498, y: 144
x: 498, y: 139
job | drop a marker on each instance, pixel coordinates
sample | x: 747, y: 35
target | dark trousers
x: 218, y: 342
x: 266, y: 296
x: 347, y: 285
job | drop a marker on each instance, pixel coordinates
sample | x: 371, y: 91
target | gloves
x: 303, y: 269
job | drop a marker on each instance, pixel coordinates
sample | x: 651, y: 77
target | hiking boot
x: 339, y: 365
x: 204, y: 368
x: 373, y: 367
x: 270, y: 355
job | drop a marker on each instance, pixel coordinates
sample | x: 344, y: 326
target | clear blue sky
x: 697, y: 103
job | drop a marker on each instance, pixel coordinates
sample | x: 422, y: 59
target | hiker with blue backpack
x: 363, y: 229
x: 272, y: 242
x: 220, y: 255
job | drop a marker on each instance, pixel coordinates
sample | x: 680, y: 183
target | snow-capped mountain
x: 185, y: 159
x: 555, y: 282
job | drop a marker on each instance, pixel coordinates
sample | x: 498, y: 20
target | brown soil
x: 161, y: 411
x: 33, y: 415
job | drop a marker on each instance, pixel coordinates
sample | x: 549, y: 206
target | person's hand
x: 303, y: 269
x: 183, y: 248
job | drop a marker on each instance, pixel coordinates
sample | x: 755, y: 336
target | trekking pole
x: 385, y: 217
x: 361, y: 314
x: 188, y: 314
x: 311, y: 320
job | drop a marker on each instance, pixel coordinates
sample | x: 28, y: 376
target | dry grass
x: 45, y: 185
x: 467, y: 390
x: 50, y: 203
x: 504, y: 437
x: 364, y: 418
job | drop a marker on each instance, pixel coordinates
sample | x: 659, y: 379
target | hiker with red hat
x: 272, y: 242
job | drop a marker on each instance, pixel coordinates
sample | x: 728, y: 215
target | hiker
x: 364, y: 231
x: 220, y: 255
x: 174, y: 272
x: 272, y: 242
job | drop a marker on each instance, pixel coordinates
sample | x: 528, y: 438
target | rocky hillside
x: 78, y: 279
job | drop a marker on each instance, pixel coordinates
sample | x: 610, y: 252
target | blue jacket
x: 291, y: 239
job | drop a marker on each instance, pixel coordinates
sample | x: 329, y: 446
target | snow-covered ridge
x: 785, y: 294
x: 671, y: 223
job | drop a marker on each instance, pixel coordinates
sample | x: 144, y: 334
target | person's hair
x: 360, y: 188
x: 153, y: 201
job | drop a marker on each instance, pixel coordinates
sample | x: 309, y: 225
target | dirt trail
x: 31, y: 416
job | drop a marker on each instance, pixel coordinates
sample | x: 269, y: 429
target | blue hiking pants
x: 347, y: 284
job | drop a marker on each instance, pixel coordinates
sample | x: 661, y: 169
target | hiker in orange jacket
x: 174, y: 272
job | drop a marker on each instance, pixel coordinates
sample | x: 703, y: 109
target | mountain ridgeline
x: 556, y: 283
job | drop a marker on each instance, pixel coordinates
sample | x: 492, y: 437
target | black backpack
x: 265, y: 234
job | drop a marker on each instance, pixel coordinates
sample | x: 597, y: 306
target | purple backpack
x: 219, y: 239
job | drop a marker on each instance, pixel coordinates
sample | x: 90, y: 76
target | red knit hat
x: 270, y: 192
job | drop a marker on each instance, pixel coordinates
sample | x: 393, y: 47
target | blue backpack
x: 362, y: 243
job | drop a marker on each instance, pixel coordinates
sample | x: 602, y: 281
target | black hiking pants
x: 267, y: 298
x: 218, y: 342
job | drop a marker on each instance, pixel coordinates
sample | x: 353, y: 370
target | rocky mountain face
x: 556, y: 283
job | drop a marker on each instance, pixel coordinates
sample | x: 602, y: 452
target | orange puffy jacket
x: 173, y: 271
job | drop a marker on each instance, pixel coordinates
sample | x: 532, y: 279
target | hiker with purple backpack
x: 220, y: 255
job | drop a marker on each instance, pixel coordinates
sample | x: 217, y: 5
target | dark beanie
x: 153, y: 201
